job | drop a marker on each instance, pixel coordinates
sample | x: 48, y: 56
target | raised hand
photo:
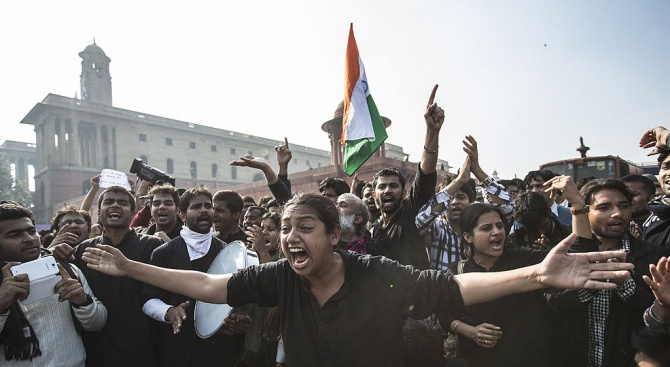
x: 656, y: 138
x: 106, y: 259
x: 12, y: 287
x: 589, y: 270
x: 283, y: 153
x: 176, y: 315
x: 69, y: 289
x: 434, y: 115
x: 660, y: 281
x: 566, y: 185
x: 250, y: 161
x: 95, y: 182
x: 470, y: 148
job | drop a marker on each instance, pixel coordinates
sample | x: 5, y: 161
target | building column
x: 98, y: 146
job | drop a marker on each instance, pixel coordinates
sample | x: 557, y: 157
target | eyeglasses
x: 70, y: 221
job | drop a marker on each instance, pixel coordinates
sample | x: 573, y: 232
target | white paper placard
x: 110, y: 177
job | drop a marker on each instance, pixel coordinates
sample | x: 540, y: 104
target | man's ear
x: 182, y: 216
x: 358, y: 219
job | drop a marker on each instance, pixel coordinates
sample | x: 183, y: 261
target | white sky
x: 275, y: 68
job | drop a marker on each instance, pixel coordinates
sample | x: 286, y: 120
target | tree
x: 11, y: 189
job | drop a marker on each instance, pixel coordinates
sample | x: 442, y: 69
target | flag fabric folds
x: 363, y: 130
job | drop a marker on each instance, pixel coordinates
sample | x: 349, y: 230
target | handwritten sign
x: 110, y: 177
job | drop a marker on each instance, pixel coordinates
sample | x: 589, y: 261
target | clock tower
x: 95, y: 80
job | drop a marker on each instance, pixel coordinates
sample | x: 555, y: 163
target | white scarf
x: 197, y: 244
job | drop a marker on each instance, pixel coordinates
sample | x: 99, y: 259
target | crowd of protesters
x: 543, y: 271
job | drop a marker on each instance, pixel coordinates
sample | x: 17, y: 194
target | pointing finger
x: 63, y: 272
x: 432, y: 96
x: 286, y: 142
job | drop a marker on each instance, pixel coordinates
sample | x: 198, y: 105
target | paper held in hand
x: 110, y: 177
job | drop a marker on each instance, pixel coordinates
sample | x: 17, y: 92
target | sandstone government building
x: 76, y: 138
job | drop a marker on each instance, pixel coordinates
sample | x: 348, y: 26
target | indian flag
x: 363, y: 130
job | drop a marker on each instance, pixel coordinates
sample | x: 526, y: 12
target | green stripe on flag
x: 357, y: 152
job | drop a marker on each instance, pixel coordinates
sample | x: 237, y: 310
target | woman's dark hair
x: 469, y: 217
x: 325, y: 210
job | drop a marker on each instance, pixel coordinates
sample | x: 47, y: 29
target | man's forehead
x: 115, y: 195
x: 536, y: 180
x: 13, y: 225
x: 218, y: 204
x: 163, y: 197
x: 388, y: 179
x: 71, y: 216
x: 253, y: 212
x: 200, y: 199
x: 607, y: 196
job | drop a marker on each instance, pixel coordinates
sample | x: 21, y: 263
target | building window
x: 213, y: 148
x: 307, y: 162
x: 168, y: 141
x: 170, y: 165
x: 191, y: 145
x: 251, y: 152
x: 215, y: 170
x: 233, y: 172
x: 295, y: 161
x: 144, y: 159
x: 194, y: 170
x: 232, y: 150
x: 319, y: 164
x: 143, y: 137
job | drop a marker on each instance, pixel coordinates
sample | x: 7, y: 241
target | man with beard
x: 164, y: 200
x: 353, y: 234
x: 71, y: 226
x: 227, y: 210
x: 369, y: 199
x: 194, y: 249
x: 126, y: 339
x: 442, y: 235
x: 395, y: 229
x: 597, y: 326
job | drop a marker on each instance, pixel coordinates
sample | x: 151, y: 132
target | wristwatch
x: 487, y: 182
x: 89, y: 300
x: 583, y: 210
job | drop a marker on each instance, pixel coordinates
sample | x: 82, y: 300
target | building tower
x: 95, y: 80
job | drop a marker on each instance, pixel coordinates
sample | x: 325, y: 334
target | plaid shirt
x: 599, y: 309
x: 443, y: 243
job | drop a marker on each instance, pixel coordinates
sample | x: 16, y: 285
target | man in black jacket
x: 597, y: 326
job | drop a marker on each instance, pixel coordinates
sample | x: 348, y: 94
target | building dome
x: 94, y: 48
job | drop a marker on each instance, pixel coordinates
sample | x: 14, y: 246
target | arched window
x: 170, y: 166
x: 258, y: 177
x: 144, y: 159
x: 215, y: 170
x: 194, y: 170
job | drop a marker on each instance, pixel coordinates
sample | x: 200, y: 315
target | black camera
x: 148, y: 173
